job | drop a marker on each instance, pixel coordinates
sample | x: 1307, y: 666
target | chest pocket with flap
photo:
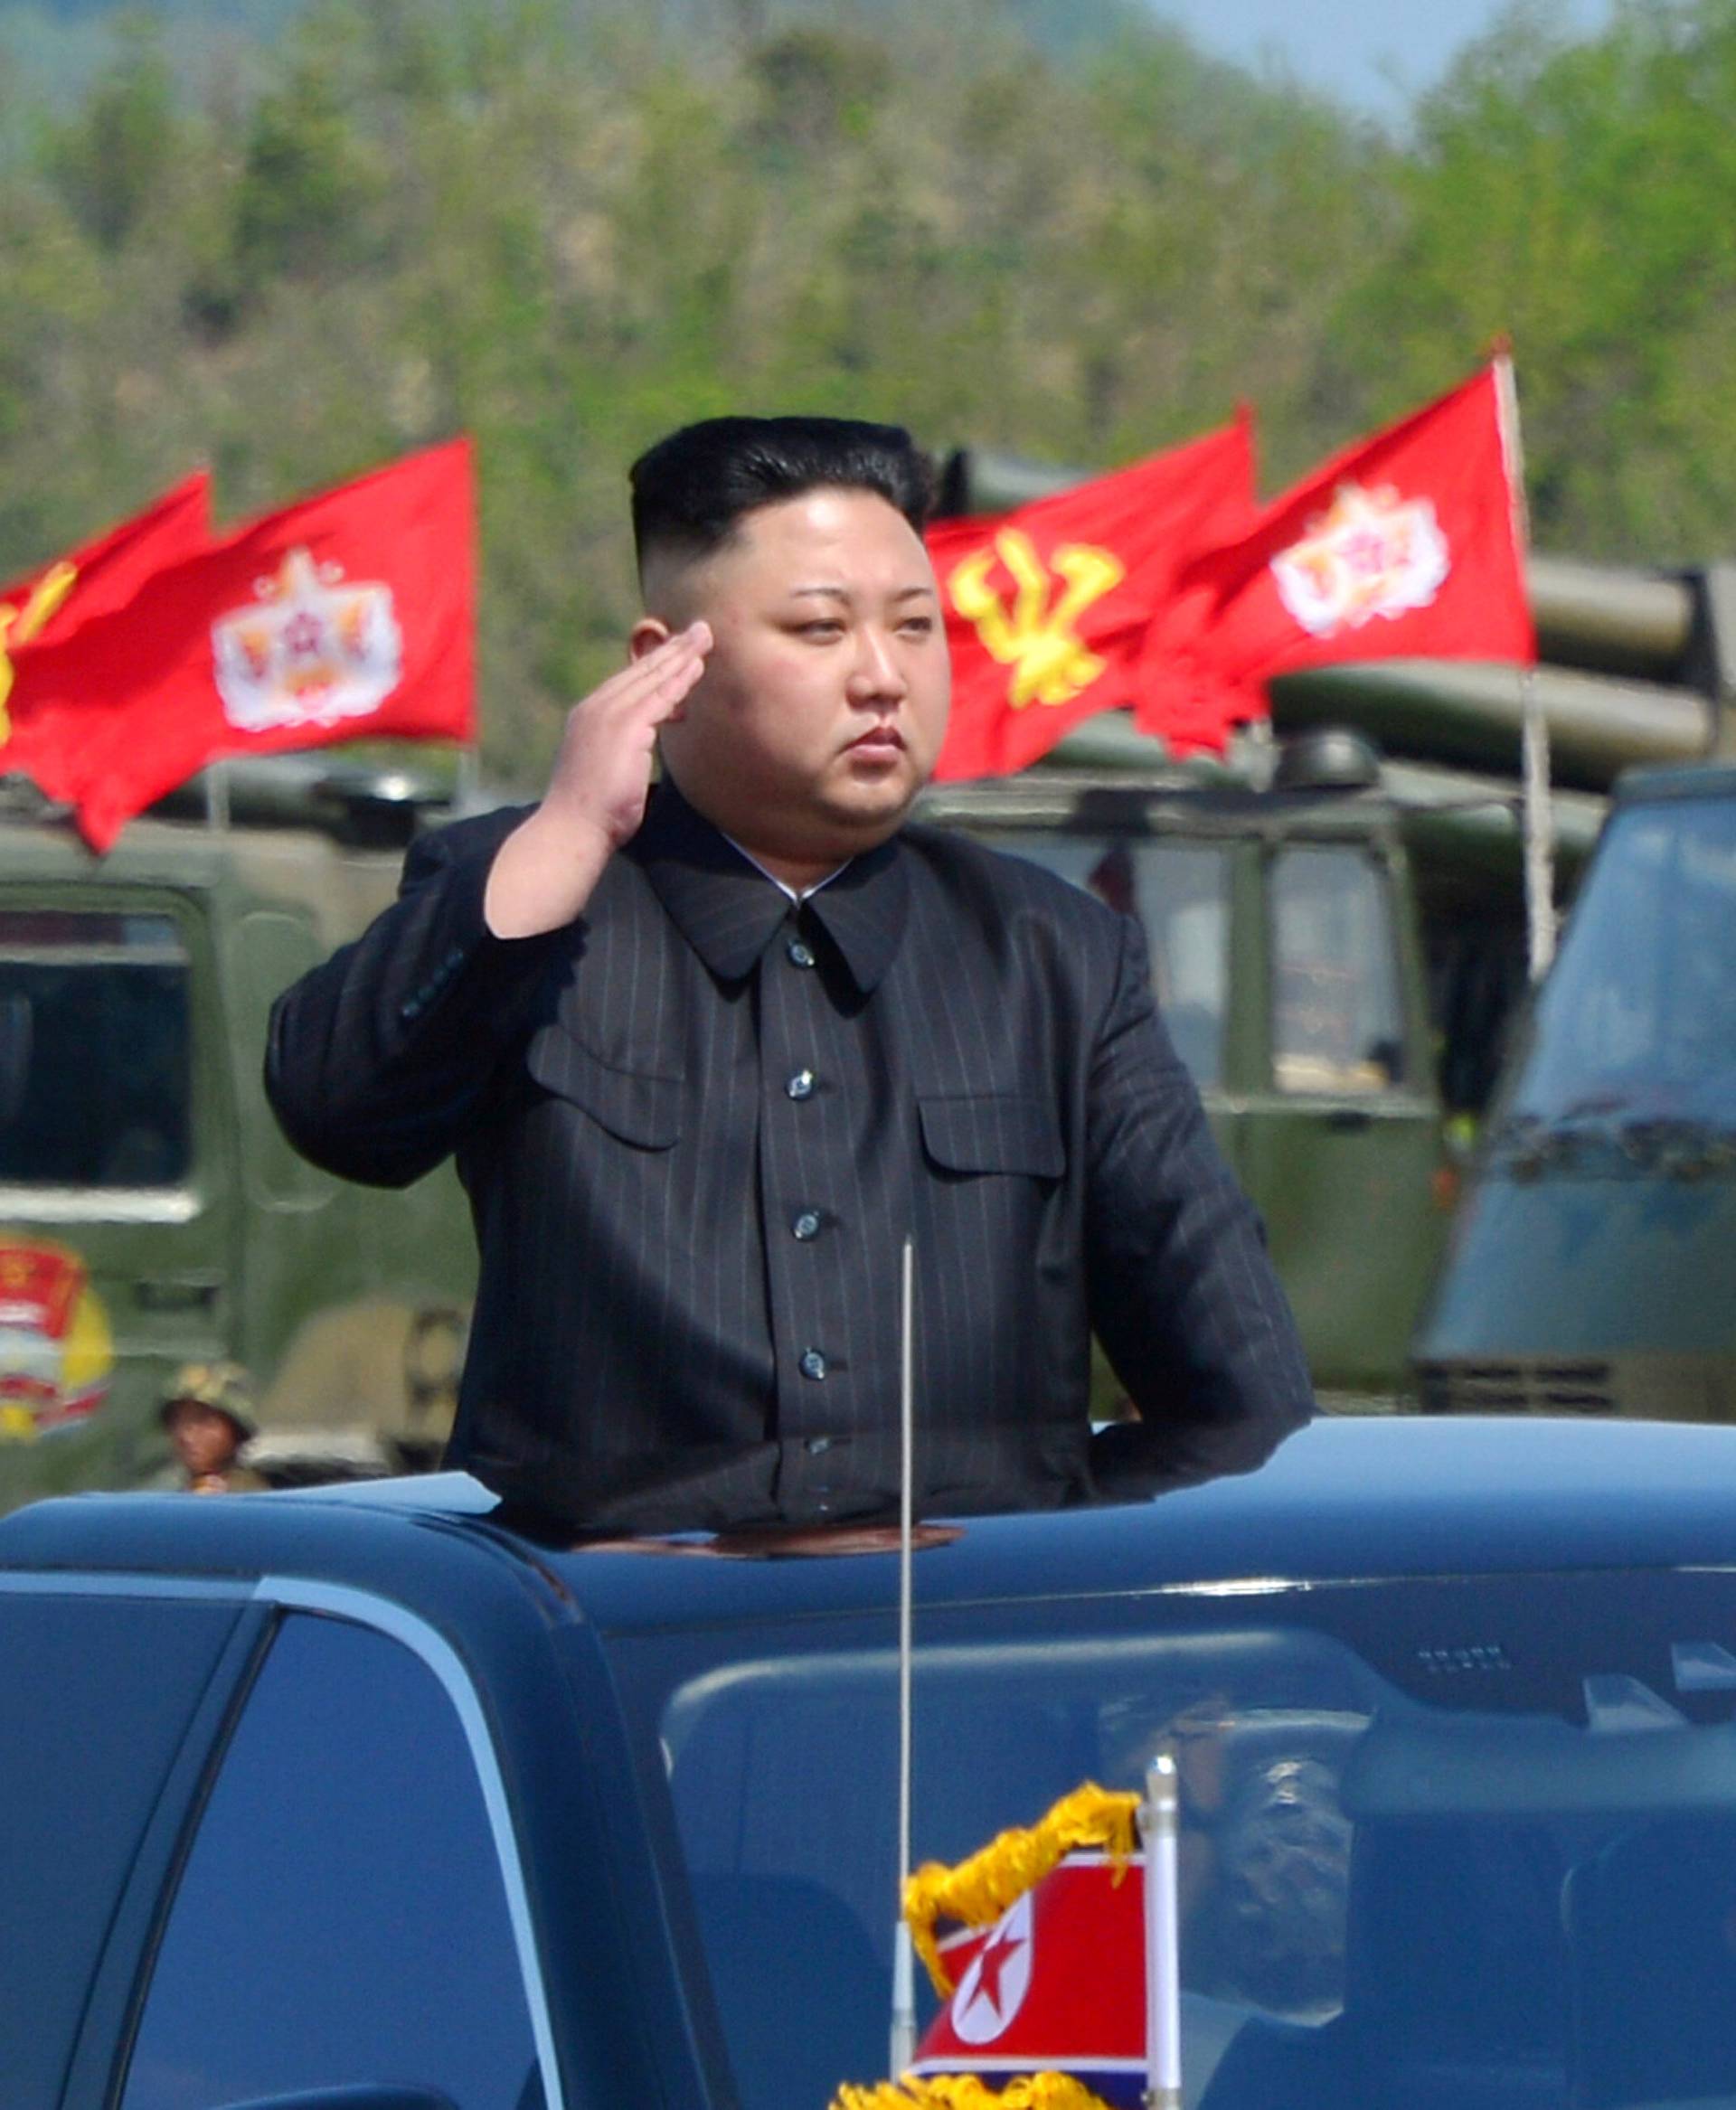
x: 994, y: 1133
x: 636, y: 1106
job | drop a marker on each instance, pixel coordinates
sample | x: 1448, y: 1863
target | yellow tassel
x: 978, y: 1890
x: 964, y: 2091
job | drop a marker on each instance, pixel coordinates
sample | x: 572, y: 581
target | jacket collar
x: 727, y: 910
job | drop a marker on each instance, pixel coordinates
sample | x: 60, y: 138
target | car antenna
x: 904, y: 2033
x: 1160, y: 1830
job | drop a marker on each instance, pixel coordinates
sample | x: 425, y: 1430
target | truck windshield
x: 1637, y: 1023
x: 1470, y: 1834
x: 95, y: 1050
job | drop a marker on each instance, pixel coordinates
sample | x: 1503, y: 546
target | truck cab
x: 1593, y: 1269
x: 150, y: 1213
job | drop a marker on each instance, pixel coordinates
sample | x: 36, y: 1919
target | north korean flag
x: 1057, y: 1986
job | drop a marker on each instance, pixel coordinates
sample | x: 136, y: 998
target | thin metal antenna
x: 1159, y: 1819
x: 903, y: 2035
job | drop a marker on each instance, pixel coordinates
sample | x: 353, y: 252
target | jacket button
x: 818, y: 1446
x: 807, y: 1225
x: 813, y: 1364
x: 801, y: 955
x: 801, y: 1086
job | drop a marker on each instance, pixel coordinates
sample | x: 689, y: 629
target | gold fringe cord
x: 978, y: 1890
x: 964, y: 2091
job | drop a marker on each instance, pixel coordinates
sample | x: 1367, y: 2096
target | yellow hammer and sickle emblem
x: 1051, y: 662
x: 19, y: 626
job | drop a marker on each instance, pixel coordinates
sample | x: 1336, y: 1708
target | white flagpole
x: 1158, y: 1825
x: 904, y: 2033
x: 1540, y: 833
x: 466, y: 778
x: 1538, y: 807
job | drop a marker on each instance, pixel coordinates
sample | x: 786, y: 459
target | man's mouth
x: 878, y: 739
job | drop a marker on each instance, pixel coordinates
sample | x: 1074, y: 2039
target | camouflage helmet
x: 223, y: 1385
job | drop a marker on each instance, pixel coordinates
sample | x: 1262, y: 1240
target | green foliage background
x: 294, y: 241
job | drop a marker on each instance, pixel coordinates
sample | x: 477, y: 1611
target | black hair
x: 690, y: 490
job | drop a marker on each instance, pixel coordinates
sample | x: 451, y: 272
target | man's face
x: 824, y: 699
x: 204, y: 1439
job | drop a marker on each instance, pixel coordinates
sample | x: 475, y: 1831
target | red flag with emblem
x: 95, y: 580
x: 1048, y: 609
x: 348, y: 616
x: 1408, y: 544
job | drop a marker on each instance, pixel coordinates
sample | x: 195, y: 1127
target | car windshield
x: 1472, y: 1839
x: 1636, y: 1025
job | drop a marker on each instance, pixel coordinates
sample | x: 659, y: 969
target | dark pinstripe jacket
x: 695, y: 1126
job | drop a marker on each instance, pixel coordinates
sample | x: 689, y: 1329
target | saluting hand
x: 543, y: 874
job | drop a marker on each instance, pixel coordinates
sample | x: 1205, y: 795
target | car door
x: 350, y: 1910
x: 104, y: 1693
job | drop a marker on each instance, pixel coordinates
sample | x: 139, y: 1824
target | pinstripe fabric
x: 694, y: 1129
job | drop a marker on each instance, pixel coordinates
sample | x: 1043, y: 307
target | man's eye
x: 918, y: 626
x: 822, y: 627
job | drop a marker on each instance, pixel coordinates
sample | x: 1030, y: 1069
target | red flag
x: 1057, y: 1986
x: 1409, y: 544
x: 1047, y: 607
x: 347, y: 616
x: 93, y: 580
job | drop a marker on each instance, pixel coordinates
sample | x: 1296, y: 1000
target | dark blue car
x: 303, y: 1795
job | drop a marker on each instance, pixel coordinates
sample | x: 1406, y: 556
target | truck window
x: 342, y: 1917
x: 95, y: 1050
x: 1179, y: 894
x: 1337, y: 1017
x: 1637, y: 1022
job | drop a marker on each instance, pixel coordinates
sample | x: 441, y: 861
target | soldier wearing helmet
x: 208, y: 1416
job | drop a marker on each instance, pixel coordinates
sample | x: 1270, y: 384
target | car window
x: 341, y: 1918
x: 1179, y: 894
x: 1482, y: 1828
x: 76, y: 1794
x: 1337, y: 1014
x: 95, y: 1050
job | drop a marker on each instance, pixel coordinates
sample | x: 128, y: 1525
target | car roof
x: 1344, y: 1498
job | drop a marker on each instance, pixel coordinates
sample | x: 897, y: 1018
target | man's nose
x: 877, y: 676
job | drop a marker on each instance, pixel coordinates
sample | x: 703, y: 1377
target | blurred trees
x: 567, y: 227
x: 1583, y: 199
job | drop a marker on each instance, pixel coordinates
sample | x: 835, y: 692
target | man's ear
x: 647, y: 634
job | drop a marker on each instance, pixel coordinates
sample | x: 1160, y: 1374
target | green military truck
x: 150, y: 1213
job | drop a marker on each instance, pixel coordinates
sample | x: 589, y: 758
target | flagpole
x: 467, y: 779
x: 1158, y: 1825
x: 1540, y: 832
x: 1538, y: 806
x: 904, y: 2032
x: 217, y: 795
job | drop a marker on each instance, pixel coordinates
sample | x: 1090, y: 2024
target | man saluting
x: 707, y: 1052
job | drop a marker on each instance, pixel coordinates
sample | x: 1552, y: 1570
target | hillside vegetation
x: 303, y: 245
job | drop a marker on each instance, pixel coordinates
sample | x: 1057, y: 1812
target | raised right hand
x: 543, y: 874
